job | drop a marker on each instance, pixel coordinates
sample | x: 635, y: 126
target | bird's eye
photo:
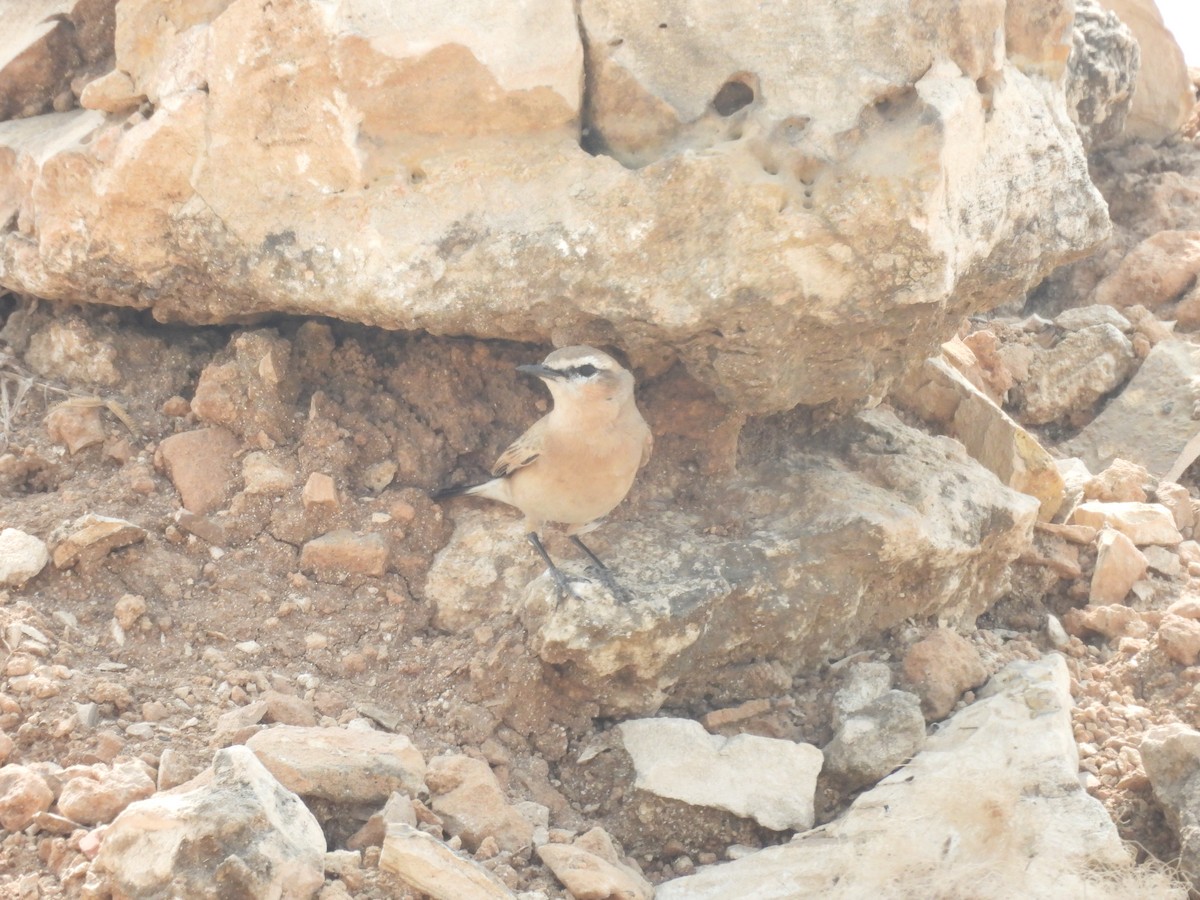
x: 587, y: 370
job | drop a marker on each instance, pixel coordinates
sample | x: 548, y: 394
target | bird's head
x: 583, y: 374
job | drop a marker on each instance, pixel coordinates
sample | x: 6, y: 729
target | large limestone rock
x: 1151, y: 421
x: 992, y: 808
x: 805, y: 552
x: 1163, y: 99
x: 881, y: 168
x: 242, y: 835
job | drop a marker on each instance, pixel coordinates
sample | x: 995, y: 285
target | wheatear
x: 577, y: 462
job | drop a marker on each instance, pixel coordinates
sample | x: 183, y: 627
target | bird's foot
x: 563, y: 581
x: 605, y: 576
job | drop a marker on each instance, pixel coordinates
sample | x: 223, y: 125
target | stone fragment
x: 1142, y: 523
x: 1163, y: 99
x: 240, y: 835
x: 339, y: 765
x: 679, y: 760
x: 129, y: 608
x: 1156, y: 272
x: 100, y: 795
x: 1119, y: 564
x: 1180, y: 639
x: 202, y: 527
x: 1001, y: 773
x: 1178, y: 500
x: 591, y: 869
x: 1073, y: 374
x: 1101, y: 73
x: 941, y: 395
x: 23, y: 795
x: 719, y: 718
x: 262, y: 475
x: 75, y: 427
x: 1163, y: 561
x: 398, y: 810
x: 874, y: 740
x: 254, y: 391
x: 22, y: 556
x: 334, y: 556
x: 429, y: 866
x: 863, y: 683
x: 1080, y: 317
x: 1150, y: 422
x: 112, y: 92
x: 940, y: 667
x: 319, y: 493
x: 69, y: 349
x: 1114, y: 621
x: 469, y: 799
x: 93, y: 537
x: 1120, y: 482
x: 1171, y: 756
x: 200, y: 464
x: 286, y: 709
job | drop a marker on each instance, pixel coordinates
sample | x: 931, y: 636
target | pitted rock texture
x: 426, y: 169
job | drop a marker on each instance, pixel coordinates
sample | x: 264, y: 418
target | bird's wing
x: 647, y: 448
x: 521, y: 452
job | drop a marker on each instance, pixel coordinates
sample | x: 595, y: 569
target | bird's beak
x: 540, y: 371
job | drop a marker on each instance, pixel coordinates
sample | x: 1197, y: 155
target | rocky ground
x: 152, y: 637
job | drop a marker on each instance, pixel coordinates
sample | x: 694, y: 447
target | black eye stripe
x: 587, y: 370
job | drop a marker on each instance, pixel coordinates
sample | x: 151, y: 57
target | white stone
x: 425, y: 863
x: 991, y: 808
x: 1119, y: 564
x: 242, y: 830
x: 1142, y: 523
x: 22, y: 556
x: 770, y: 780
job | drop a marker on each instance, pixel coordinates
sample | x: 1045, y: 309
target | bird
x: 576, y: 463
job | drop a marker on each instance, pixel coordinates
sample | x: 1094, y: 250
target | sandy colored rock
x: 1073, y: 374
x: 1163, y: 99
x: 1180, y: 639
x: 1142, y: 523
x: 112, y: 92
x: 128, y: 609
x: 319, y: 492
x: 469, y: 799
x: 239, y: 834
x: 425, y: 863
x: 940, y: 667
x: 1119, y: 564
x: 678, y: 759
x: 1120, y: 482
x: 102, y: 796
x: 941, y: 395
x: 339, y: 765
x: 1142, y: 424
x: 1178, y: 500
x: 75, y: 427
x: 261, y: 475
x: 815, y: 520
x: 1114, y: 621
x: 70, y: 348
x: 591, y: 869
x: 1157, y: 271
x: 91, y: 538
x: 23, y: 794
x: 201, y: 465
x: 772, y: 126
x: 334, y: 556
x: 251, y: 389
x: 22, y: 556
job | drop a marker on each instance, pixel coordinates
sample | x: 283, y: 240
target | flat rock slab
x: 829, y: 542
x: 1151, y: 422
x: 340, y: 765
x: 93, y: 537
x: 425, y: 863
x: 770, y: 780
x: 993, y: 799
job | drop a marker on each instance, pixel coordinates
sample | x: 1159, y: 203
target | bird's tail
x: 456, y: 490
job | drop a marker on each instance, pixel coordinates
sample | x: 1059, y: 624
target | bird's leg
x: 564, y: 584
x: 603, y: 571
